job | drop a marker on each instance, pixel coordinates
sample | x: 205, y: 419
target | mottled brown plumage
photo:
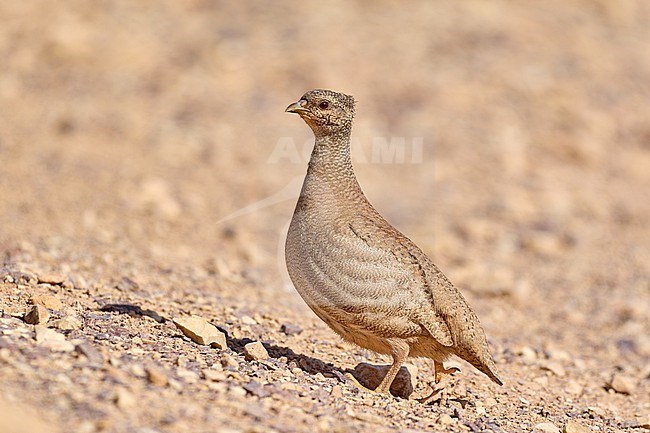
x: 365, y: 279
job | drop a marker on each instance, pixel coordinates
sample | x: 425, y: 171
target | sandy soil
x: 148, y: 172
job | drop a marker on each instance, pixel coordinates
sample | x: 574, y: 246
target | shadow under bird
x: 371, y: 284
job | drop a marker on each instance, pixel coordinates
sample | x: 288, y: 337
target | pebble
x: 52, y: 278
x: 201, y: 331
x: 337, y: 391
x: 527, y: 353
x: 53, y: 340
x: 93, y: 355
x: 214, y: 375
x: 596, y: 410
x: 188, y: 376
x: 622, y: 384
x: 546, y: 427
x: 445, y: 419
x: 575, y: 427
x: 227, y: 360
x: 257, y: 389
x: 37, y: 315
x: 68, y: 323
x: 489, y: 402
x: 643, y: 422
x: 573, y: 387
x: 156, y: 377
x: 124, y: 399
x: 255, y: 351
x: 48, y: 301
x: 290, y: 329
x: 248, y: 320
x: 554, y: 367
x: 370, y: 376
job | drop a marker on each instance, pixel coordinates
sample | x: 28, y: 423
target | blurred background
x: 130, y: 130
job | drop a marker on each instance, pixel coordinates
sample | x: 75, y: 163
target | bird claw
x: 350, y: 378
x: 437, y: 395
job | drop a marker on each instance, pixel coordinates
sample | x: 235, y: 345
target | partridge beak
x: 297, y: 107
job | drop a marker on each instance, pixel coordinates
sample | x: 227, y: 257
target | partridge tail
x: 489, y: 368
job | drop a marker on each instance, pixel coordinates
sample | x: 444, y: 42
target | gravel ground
x: 148, y: 174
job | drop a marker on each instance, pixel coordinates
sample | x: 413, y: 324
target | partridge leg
x: 441, y: 371
x: 400, y: 353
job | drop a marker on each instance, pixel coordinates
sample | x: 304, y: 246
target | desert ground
x: 148, y: 173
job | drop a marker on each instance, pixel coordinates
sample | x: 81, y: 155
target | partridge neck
x: 330, y: 167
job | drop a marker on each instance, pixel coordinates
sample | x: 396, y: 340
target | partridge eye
x: 324, y: 105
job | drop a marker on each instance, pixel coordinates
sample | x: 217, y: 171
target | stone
x: 228, y: 360
x: 255, y: 351
x: 643, y: 422
x: 53, y: 340
x: 213, y: 375
x: 370, y: 376
x: 93, y: 355
x: 573, y: 387
x: 489, y: 402
x: 51, y: 278
x: 186, y: 375
x: 201, y: 331
x: 248, y: 320
x: 156, y: 376
x: 290, y: 329
x: 445, y: 419
x: 575, y: 427
x: 527, y: 353
x: 124, y: 399
x: 68, y: 323
x: 37, y: 315
x: 257, y: 389
x: 554, y: 367
x: 48, y: 301
x: 622, y: 384
x: 546, y: 427
x: 336, y: 392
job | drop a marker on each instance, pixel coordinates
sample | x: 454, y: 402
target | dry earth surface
x: 132, y: 135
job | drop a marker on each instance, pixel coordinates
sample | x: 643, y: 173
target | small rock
x: 53, y: 278
x: 248, y: 320
x: 68, y: 323
x: 575, y: 427
x: 214, y: 375
x: 290, y: 329
x: 573, y: 387
x: 156, y: 377
x: 237, y: 391
x: 256, y: 388
x: 188, y: 376
x: 337, y: 391
x: 227, y: 360
x: 201, y: 332
x: 124, y: 399
x: 89, y: 351
x: 643, y: 422
x: 622, y: 384
x: 255, y: 351
x: 554, y: 367
x: 53, y: 340
x: 546, y: 427
x: 527, y: 353
x: 489, y: 402
x: 445, y: 419
x: 47, y: 301
x: 596, y: 410
x: 370, y: 376
x: 37, y: 315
